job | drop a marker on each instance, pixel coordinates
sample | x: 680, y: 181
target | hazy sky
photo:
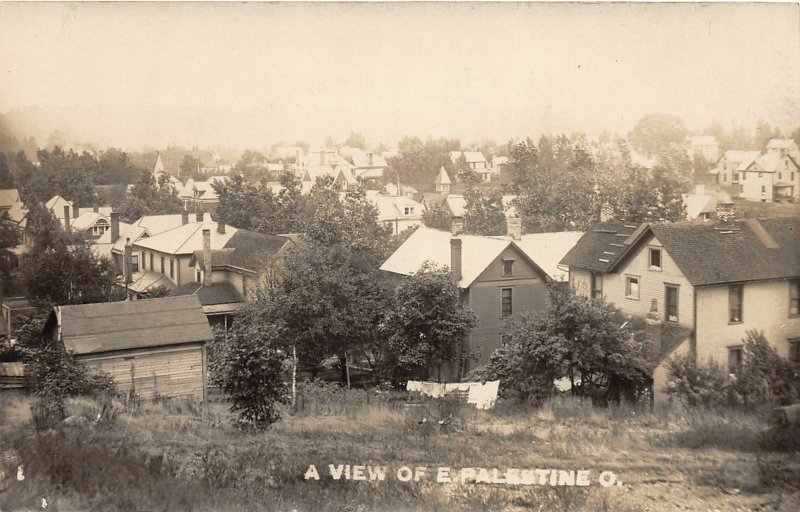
x: 248, y: 75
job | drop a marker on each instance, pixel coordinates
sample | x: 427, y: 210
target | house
x: 454, y: 205
x: 368, y: 166
x: 201, y: 194
x: 712, y: 281
x: 163, y: 260
x: 62, y: 209
x: 289, y: 154
x: 225, y: 277
x: 342, y: 175
x: 497, y: 276
x: 702, y: 205
x: 159, y: 172
x: 92, y: 223
x: 781, y: 146
x: 502, y: 168
x: 476, y: 162
x: 729, y: 167
x: 153, y: 347
x: 394, y: 211
x: 704, y: 146
x: 773, y: 176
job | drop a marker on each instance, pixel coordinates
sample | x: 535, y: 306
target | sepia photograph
x: 399, y: 256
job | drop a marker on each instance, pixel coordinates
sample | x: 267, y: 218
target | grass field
x: 180, y: 456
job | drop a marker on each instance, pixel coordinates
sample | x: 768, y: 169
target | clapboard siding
x: 168, y: 371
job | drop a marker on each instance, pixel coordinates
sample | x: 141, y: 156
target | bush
x: 764, y: 379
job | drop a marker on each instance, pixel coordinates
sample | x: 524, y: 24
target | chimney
x: 606, y: 213
x: 66, y: 217
x: 96, y: 209
x: 456, y: 226
x: 514, y: 227
x: 184, y: 218
x: 207, y: 257
x: 127, y: 261
x: 114, y: 226
x: 725, y: 211
x: 199, y: 216
x: 455, y: 258
x: 220, y: 227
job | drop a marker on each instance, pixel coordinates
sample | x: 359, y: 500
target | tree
x: 148, y: 197
x: 6, y: 178
x: 654, y: 132
x: 189, y: 166
x: 483, y: 213
x: 286, y: 214
x: 115, y: 168
x: 68, y: 174
x: 427, y: 323
x: 418, y: 162
x: 356, y: 140
x: 248, y: 366
x: 63, y: 271
x: 436, y: 216
x: 242, y: 204
x: 577, y: 337
x: 764, y: 133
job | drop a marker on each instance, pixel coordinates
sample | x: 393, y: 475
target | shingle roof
x: 600, y: 247
x: 392, y: 207
x: 456, y: 203
x: 767, y: 162
x: 86, y: 220
x: 155, y: 224
x: 98, y: 328
x: 547, y: 249
x: 715, y: 254
x: 706, y: 253
x: 187, y: 238
x: 442, y: 178
x: 697, y: 204
x: 747, y: 159
x: 246, y: 250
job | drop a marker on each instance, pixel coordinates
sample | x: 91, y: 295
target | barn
x: 156, y: 345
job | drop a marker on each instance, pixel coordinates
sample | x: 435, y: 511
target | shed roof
x: 147, y: 323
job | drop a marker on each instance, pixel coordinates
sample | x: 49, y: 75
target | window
x: 100, y: 227
x: 741, y: 189
x: 197, y: 276
x: 143, y: 261
x: 135, y: 263
x: 632, y: 287
x: 655, y: 259
x: 162, y: 264
x: 505, y: 339
x: 506, y: 302
x: 763, y: 189
x: 597, y: 285
x: 172, y: 269
x: 744, y: 176
x: 794, y: 297
x: 794, y: 350
x: 508, y: 267
x: 735, y: 177
x: 792, y: 175
x: 780, y: 176
x: 735, y: 295
x: 152, y: 267
x: 761, y: 175
x: 408, y: 210
x: 735, y: 355
x: 671, y: 303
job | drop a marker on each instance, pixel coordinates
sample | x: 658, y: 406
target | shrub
x: 250, y: 372
x: 692, y: 385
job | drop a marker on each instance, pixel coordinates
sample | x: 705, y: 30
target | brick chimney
x: 726, y: 211
x: 114, y: 226
x: 207, y: 257
x: 66, y: 217
x: 184, y: 218
x: 455, y: 258
x: 456, y: 226
x: 606, y: 213
x: 514, y: 228
x: 96, y: 209
x: 220, y: 227
x: 199, y: 216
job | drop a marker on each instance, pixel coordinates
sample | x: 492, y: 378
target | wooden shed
x: 158, y: 345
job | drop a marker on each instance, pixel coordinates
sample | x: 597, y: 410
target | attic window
x: 508, y: 267
x: 655, y: 259
x: 408, y: 210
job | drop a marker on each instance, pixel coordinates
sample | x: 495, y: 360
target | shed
x: 156, y: 345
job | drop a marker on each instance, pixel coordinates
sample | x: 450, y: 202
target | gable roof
x: 86, y: 220
x: 186, y: 239
x: 470, y: 156
x: 155, y: 224
x: 781, y: 144
x: 17, y: 212
x: 392, y: 207
x: 706, y: 253
x: 245, y: 250
x: 768, y: 162
x: 747, y: 159
x: 456, y: 203
x: 428, y: 244
x: 442, y: 178
x: 110, y: 326
x: 601, y: 246
x: 697, y: 204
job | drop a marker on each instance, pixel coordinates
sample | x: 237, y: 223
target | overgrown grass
x: 179, y: 455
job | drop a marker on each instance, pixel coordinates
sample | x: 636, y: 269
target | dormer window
x: 508, y: 267
x: 655, y: 259
x: 408, y: 210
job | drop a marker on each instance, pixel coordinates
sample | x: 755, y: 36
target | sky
x: 249, y: 75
